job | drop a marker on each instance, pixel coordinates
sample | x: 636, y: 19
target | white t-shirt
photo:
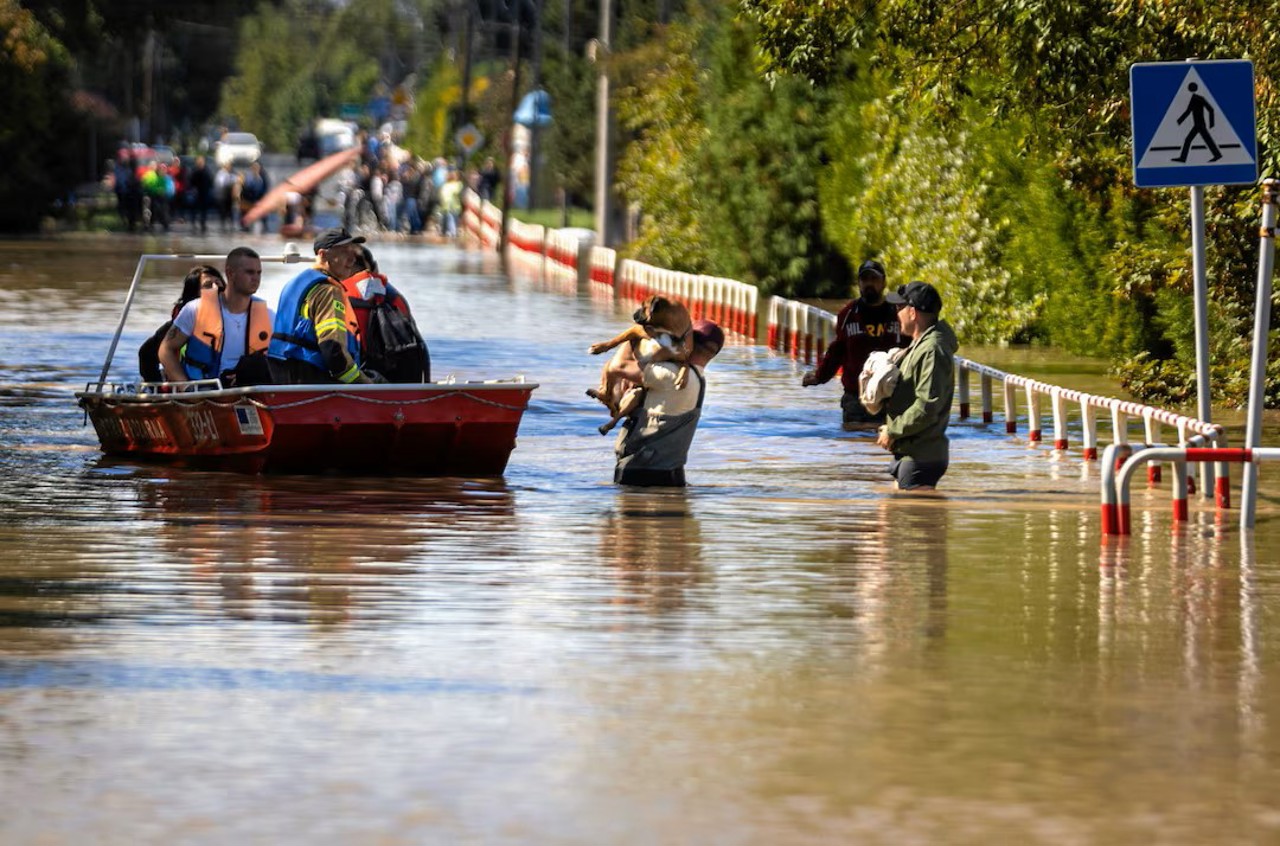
x: 234, y: 329
x: 663, y: 398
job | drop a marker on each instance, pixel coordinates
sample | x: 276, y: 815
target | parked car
x: 238, y: 148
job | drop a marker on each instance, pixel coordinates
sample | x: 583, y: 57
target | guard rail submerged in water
x: 803, y: 331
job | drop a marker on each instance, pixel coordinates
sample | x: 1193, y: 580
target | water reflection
x: 653, y: 543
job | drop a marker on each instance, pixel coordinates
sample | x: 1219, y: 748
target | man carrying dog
x: 654, y: 445
x: 865, y: 325
x: 920, y: 407
x: 316, y: 337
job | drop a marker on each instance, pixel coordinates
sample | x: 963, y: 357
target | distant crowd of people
x: 387, y: 189
x: 152, y: 195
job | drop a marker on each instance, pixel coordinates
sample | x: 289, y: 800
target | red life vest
x: 361, y: 307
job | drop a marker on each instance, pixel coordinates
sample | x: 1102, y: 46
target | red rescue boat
x: 438, y: 428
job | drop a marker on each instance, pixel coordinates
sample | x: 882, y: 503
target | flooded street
x: 785, y: 652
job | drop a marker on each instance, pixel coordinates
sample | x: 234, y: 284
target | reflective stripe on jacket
x: 296, y: 336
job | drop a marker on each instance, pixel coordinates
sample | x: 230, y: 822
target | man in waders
x: 919, y: 409
x: 653, y: 446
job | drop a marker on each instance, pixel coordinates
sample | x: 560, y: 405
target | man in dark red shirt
x: 863, y: 326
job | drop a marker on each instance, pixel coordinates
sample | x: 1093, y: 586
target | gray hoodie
x: 920, y: 407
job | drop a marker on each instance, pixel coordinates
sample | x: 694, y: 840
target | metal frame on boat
x: 438, y: 428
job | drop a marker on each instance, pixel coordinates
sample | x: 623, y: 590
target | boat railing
x: 148, y: 388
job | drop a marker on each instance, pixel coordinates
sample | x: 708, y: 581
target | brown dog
x: 662, y: 331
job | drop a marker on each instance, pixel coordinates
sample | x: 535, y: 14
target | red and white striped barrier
x: 1115, y: 483
x: 603, y: 261
x: 526, y: 241
x: 800, y: 330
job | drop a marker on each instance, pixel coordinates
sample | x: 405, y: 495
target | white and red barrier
x: 802, y: 331
x: 603, y: 261
x: 526, y: 242
x: 1115, y: 483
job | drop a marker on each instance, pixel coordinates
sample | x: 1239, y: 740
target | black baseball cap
x: 919, y: 295
x: 869, y: 267
x: 335, y: 237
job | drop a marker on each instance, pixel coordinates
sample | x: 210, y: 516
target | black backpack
x: 394, y: 347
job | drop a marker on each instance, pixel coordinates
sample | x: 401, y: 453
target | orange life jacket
x: 202, y: 357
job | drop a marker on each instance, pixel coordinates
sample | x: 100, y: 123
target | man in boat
x: 654, y: 445
x: 223, y: 334
x: 920, y: 406
x: 390, y: 343
x: 864, y: 325
x: 316, y: 337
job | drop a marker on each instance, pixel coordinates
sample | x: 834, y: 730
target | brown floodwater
x: 786, y: 652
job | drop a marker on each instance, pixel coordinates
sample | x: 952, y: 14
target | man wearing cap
x: 315, y: 338
x: 654, y: 445
x: 865, y: 325
x: 919, y: 409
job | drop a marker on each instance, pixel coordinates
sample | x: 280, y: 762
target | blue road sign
x: 1193, y: 123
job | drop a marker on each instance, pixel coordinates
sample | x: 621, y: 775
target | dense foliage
x: 38, y: 151
x: 985, y: 146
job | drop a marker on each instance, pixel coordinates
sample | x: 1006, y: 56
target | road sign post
x: 1194, y: 125
x: 1261, y: 327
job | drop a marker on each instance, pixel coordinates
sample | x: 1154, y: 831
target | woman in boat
x: 198, y: 278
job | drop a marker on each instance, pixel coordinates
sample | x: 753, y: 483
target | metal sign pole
x: 1205, y: 406
x: 1261, y: 325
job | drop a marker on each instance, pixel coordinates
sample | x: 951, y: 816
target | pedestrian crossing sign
x: 1194, y: 123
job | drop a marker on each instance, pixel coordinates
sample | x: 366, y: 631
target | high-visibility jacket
x: 202, y: 354
x: 295, y: 331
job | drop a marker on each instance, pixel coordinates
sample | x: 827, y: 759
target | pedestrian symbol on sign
x: 1194, y: 132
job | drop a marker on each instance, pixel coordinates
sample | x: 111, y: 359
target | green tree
x: 39, y: 150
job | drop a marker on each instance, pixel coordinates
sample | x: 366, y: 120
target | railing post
x: 1033, y: 412
x: 988, y: 414
x: 1152, y: 433
x: 1089, y: 425
x: 1059, y: 419
x: 962, y: 389
x: 1010, y: 412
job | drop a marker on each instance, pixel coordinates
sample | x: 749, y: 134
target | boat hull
x: 463, y: 429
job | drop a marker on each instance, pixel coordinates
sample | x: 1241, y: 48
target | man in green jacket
x: 919, y: 409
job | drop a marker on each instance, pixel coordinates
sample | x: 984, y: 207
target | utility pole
x: 465, y: 117
x: 604, y: 159
x: 537, y: 85
x: 515, y: 104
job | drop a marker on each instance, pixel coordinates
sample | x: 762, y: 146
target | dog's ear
x: 644, y: 314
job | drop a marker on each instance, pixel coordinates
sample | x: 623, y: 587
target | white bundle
x: 878, y: 378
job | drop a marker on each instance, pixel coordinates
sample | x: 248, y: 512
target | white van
x: 333, y: 135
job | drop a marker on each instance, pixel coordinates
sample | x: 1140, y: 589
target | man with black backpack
x: 390, y: 344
